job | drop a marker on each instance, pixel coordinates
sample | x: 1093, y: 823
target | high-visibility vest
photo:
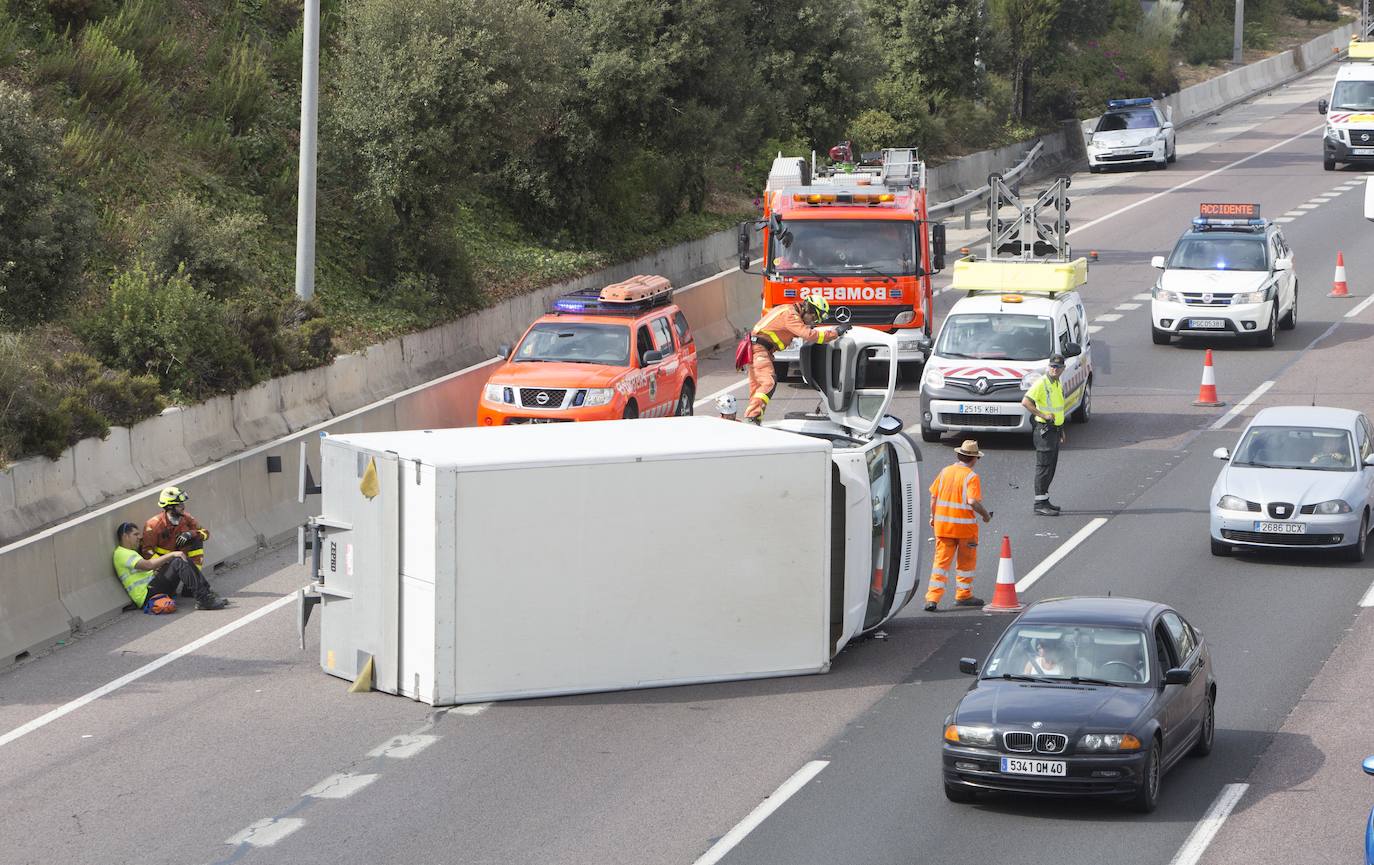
x: 135, y: 582
x: 1049, y: 398
x: 953, y: 489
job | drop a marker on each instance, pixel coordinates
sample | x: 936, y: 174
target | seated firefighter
x: 152, y: 582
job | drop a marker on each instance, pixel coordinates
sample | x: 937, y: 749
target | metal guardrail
x: 967, y: 202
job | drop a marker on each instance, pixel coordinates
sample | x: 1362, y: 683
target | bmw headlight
x: 1233, y: 503
x: 1335, y: 506
x: 1109, y: 742
x: 1250, y: 297
x: 599, y: 395
x: 1166, y: 296
x: 935, y: 378
x: 499, y: 393
x: 965, y: 734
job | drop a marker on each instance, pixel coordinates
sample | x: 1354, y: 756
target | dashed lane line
x: 1064, y: 549
x: 266, y: 832
x: 1368, y: 599
x: 1360, y: 307
x: 1284, y: 219
x: 1241, y: 406
x: 1127, y: 306
x: 789, y: 788
x: 1108, y: 316
x: 339, y: 786
x: 1207, y: 828
x: 1144, y: 295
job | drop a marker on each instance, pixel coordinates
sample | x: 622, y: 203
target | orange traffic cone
x: 1004, y: 596
x: 1207, y: 394
x: 1338, y: 286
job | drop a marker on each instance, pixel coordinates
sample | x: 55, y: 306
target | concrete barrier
x: 31, y: 613
x: 208, y: 430
x: 305, y: 398
x: 104, y: 467
x: 258, y: 413
x: 84, y: 572
x: 386, y: 369
x: 346, y: 383
x: 158, y: 446
x: 45, y: 490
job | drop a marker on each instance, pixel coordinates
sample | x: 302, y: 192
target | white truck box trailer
x: 500, y: 563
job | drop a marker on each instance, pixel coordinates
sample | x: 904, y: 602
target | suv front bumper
x: 1246, y: 319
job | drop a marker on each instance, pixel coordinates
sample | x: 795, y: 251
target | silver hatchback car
x: 1302, y: 476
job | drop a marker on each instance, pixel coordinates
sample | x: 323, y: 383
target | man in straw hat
x: 955, y: 497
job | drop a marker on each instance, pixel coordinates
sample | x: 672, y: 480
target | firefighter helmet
x: 820, y: 305
x: 171, y: 496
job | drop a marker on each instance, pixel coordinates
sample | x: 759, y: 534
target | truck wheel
x: 929, y: 435
x: 1328, y: 164
x: 1084, y: 412
x: 1271, y: 333
x: 1160, y: 337
x: 685, y: 402
x: 631, y: 410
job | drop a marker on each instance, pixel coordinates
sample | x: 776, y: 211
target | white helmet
x: 727, y: 404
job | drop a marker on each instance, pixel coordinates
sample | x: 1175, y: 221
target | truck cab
x: 996, y: 342
x: 1349, y: 134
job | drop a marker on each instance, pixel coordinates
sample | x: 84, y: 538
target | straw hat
x: 969, y: 449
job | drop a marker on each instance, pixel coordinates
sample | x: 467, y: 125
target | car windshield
x: 1066, y: 652
x: 996, y: 337
x: 1115, y: 121
x: 1219, y: 253
x: 1352, y: 96
x: 1291, y: 447
x: 847, y: 247
x: 576, y: 342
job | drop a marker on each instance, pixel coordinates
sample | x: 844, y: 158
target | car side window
x: 662, y: 335
x: 1063, y: 333
x: 1366, y: 439
x: 1181, y: 634
x: 1164, y: 649
x: 1275, y: 253
x: 684, y: 333
x: 643, y: 343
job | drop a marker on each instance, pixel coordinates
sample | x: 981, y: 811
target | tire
x: 1290, y: 321
x: 1203, y: 746
x: 1146, y: 798
x: 1356, y: 551
x: 1173, y: 154
x: 1084, y: 412
x: 685, y: 405
x: 1160, y: 165
x: 1328, y: 164
x: 1160, y: 337
x: 1220, y: 548
x: 1271, y: 333
x: 960, y: 795
x: 1095, y: 169
x: 631, y: 410
x: 930, y: 435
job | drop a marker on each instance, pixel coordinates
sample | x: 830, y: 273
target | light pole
x: 305, y: 194
x: 1238, y: 46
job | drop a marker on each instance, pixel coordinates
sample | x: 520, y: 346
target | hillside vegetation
x: 470, y: 150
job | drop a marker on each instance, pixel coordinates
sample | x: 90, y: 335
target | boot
x: 970, y: 602
x: 1046, y: 510
x: 211, y: 601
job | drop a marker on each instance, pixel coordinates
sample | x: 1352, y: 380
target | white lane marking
x: 722, y: 392
x: 1292, y: 214
x: 1368, y: 599
x: 267, y: 831
x: 404, y: 746
x: 1241, y: 406
x: 1064, y: 549
x: 1094, y: 328
x: 1308, y: 206
x: 1144, y: 295
x: 1206, y: 828
x: 150, y: 667
x: 339, y: 786
x: 1284, y: 219
x: 1201, y: 177
x: 1128, y: 306
x: 1360, y: 307
x: 731, y: 839
x: 472, y: 710
x: 1324, y: 197
x: 1108, y: 316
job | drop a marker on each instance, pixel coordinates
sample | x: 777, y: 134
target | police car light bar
x: 589, y: 301
x: 1129, y: 103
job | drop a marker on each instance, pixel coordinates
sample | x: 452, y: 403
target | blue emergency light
x: 588, y: 301
x: 1202, y: 223
x: 1140, y: 102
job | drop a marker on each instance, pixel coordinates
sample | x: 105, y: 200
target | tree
x: 1025, y: 26
x: 932, y: 46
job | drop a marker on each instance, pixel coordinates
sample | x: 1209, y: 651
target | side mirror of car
x: 1369, y: 460
x: 1322, y: 105
x: 1157, y: 262
x: 924, y: 345
x: 1073, y: 349
x: 968, y: 666
x: 1283, y: 264
x: 1369, y: 765
x: 1178, y: 676
x: 1221, y: 454
x: 651, y: 356
x: 504, y: 350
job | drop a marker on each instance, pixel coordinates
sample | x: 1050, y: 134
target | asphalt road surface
x: 242, y: 750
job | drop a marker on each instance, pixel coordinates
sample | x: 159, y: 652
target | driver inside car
x: 1047, y: 660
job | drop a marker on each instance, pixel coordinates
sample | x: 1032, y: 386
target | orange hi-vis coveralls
x: 774, y: 332
x: 956, y: 531
x: 160, y: 537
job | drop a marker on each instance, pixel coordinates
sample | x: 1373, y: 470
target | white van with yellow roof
x: 997, y: 340
x: 1349, y: 134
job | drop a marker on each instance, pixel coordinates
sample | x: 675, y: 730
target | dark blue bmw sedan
x: 1083, y: 697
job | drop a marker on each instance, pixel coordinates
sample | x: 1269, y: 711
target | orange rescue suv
x: 622, y: 352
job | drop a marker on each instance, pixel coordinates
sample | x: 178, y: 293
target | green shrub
x: 1314, y: 10
x: 1208, y: 44
x: 219, y: 252
x: 239, y: 86
x: 76, y: 14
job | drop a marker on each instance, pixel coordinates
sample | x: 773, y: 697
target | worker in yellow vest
x: 955, y: 497
x: 1045, y: 402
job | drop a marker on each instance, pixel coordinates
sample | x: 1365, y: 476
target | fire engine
x: 856, y: 233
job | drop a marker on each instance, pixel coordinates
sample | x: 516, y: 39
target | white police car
x: 1133, y: 132
x: 1230, y: 275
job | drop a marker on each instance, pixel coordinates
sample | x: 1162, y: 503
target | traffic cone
x: 1004, y: 596
x: 1207, y: 394
x: 1338, y: 286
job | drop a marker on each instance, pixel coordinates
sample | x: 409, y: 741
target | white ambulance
x: 996, y: 342
x: 1349, y: 135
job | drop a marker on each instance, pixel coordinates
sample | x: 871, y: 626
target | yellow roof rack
x: 1361, y: 50
x: 1019, y: 277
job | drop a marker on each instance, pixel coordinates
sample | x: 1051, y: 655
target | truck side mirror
x: 1322, y: 105
x: 504, y: 350
x: 775, y: 223
x: 968, y: 666
x: 937, y: 246
x: 742, y: 246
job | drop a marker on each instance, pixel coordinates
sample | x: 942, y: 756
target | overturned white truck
x: 501, y: 563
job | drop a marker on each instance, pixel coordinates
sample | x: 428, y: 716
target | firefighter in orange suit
x: 775, y: 332
x: 955, y: 497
